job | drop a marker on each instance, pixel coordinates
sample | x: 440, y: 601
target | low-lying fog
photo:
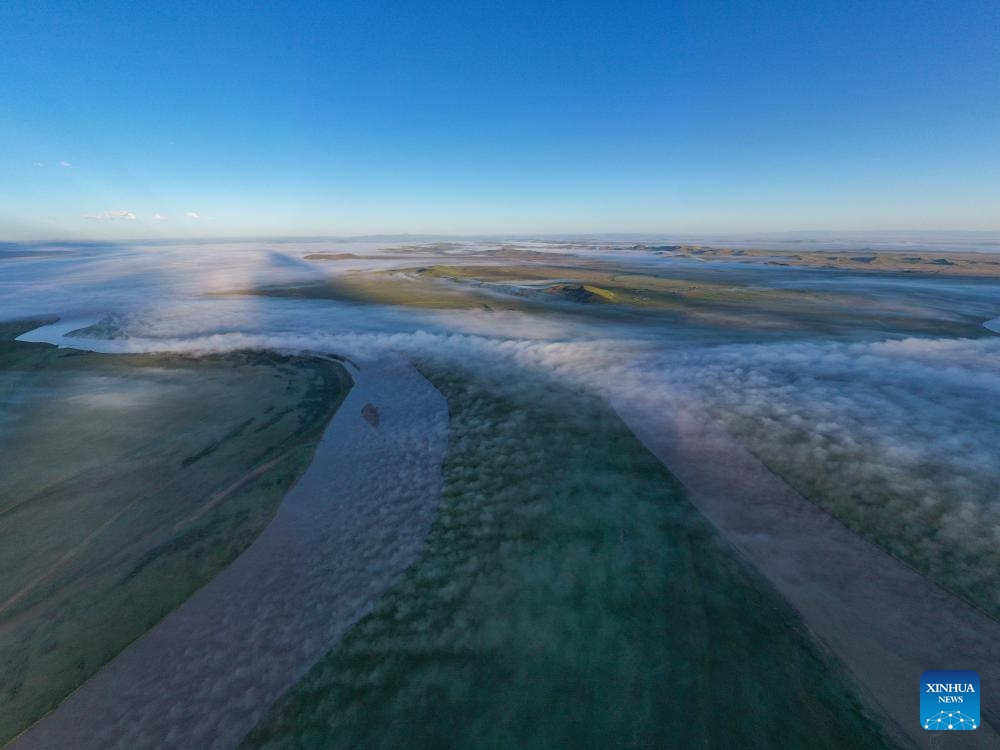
x: 898, y: 435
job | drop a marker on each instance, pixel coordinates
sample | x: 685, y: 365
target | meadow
x: 128, y: 482
x: 568, y: 595
x: 638, y: 294
x: 567, y: 584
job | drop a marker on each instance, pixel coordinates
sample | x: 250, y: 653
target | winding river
x: 205, y: 675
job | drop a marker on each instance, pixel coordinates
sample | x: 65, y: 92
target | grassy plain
x: 595, y: 290
x: 568, y: 596
x: 128, y: 481
x: 941, y: 523
x: 950, y: 263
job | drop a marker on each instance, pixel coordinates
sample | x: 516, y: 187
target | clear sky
x: 524, y: 116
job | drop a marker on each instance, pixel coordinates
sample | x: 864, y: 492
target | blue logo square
x: 949, y: 699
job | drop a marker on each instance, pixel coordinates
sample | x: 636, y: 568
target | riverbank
x: 885, y: 621
x: 342, y: 536
x: 129, y: 481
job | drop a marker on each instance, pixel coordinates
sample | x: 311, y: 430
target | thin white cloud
x: 192, y: 214
x: 113, y: 215
x: 64, y: 163
x: 159, y: 217
x: 39, y: 163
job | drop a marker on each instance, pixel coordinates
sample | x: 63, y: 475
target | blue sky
x: 492, y: 117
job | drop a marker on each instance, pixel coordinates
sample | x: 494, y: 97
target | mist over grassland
x: 128, y: 482
x: 568, y: 595
x: 873, y: 390
x: 899, y: 439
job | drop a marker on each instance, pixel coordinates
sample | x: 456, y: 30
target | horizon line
x: 788, y: 234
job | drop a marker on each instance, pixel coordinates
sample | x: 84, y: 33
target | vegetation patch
x: 108, y: 517
x: 568, y: 596
x: 586, y: 293
x: 727, y: 301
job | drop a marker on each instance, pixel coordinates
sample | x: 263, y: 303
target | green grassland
x: 594, y: 290
x: 942, y: 525
x: 384, y: 288
x: 127, y: 482
x: 569, y: 596
x: 924, y: 262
